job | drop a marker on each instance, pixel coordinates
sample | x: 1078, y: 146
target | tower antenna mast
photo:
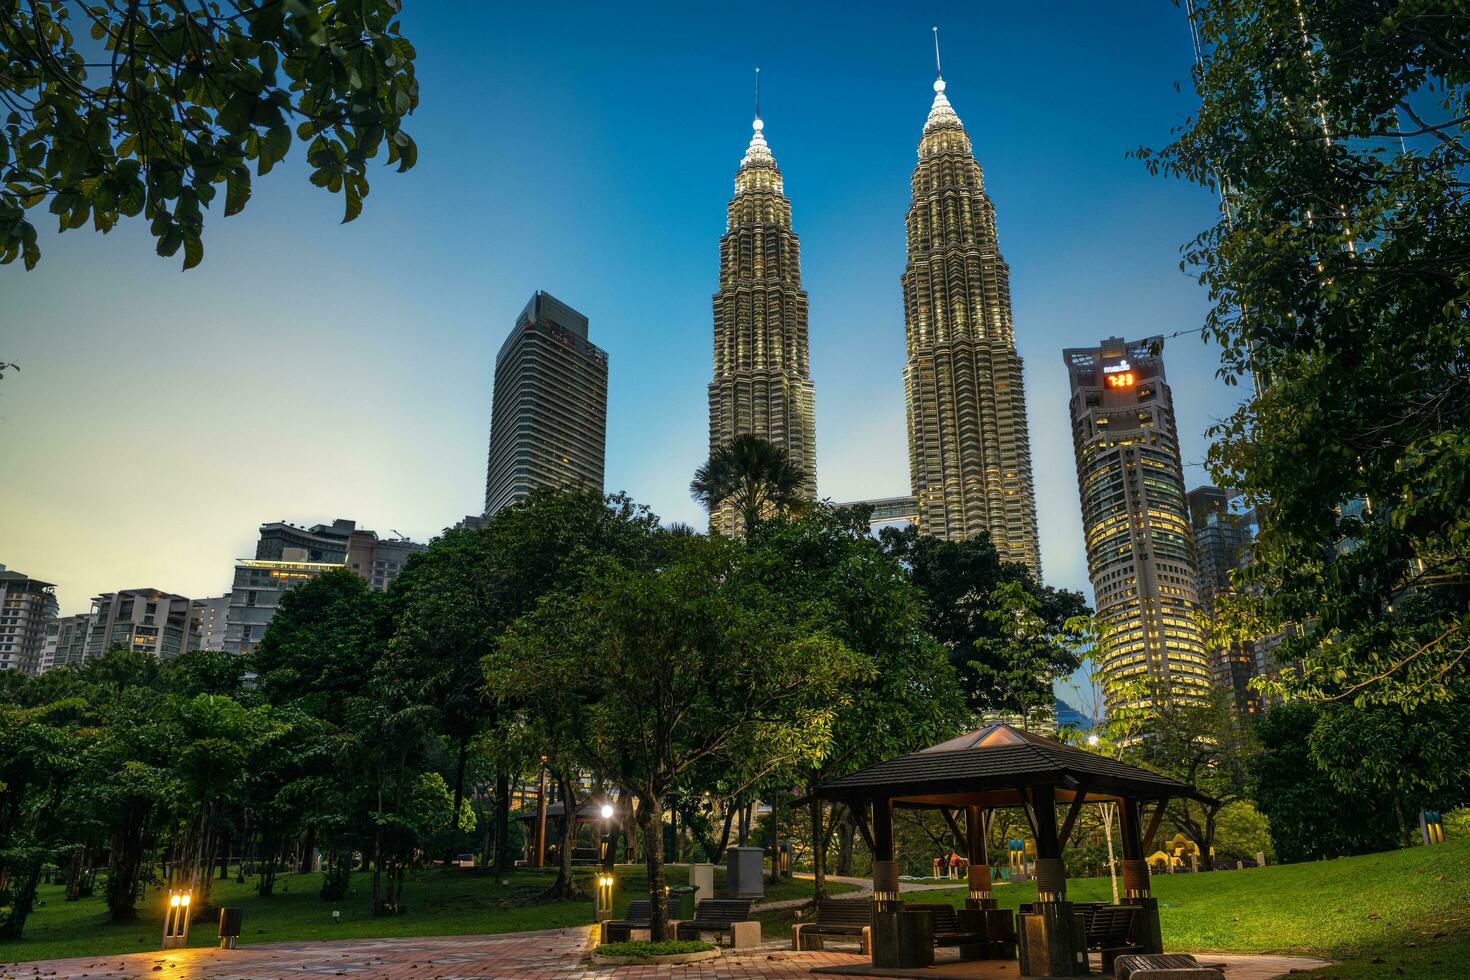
x: 757, y: 93
x: 938, y: 72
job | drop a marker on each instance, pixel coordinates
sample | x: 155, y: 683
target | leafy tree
x: 996, y: 621
x: 666, y: 669
x: 452, y: 604
x: 37, y: 757
x: 1310, y: 816
x: 181, y: 98
x: 1206, y: 744
x: 752, y: 475
x: 907, y: 696
x: 322, y: 644
x: 1340, y: 271
x: 1410, y: 760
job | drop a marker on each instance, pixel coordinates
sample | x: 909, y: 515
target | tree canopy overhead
x: 116, y: 108
x: 1340, y: 271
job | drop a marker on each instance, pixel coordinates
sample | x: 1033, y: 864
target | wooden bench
x: 1164, y: 966
x: 639, y: 916
x: 846, y: 917
x: 1108, y: 929
x: 722, y: 917
x: 963, y: 928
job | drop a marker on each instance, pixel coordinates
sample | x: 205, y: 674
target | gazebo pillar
x: 885, y: 868
x: 980, y: 896
x: 1052, y: 942
x: 1147, y: 932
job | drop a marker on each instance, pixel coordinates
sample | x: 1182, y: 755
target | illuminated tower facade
x: 762, y: 378
x: 1140, y: 547
x: 969, y: 449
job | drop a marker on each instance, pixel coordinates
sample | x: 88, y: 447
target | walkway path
x: 550, y: 955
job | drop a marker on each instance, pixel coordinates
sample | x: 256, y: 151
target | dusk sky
x: 310, y: 370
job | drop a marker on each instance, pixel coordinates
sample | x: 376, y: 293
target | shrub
x: 642, y: 947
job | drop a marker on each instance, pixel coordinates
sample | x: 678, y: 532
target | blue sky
x: 310, y: 370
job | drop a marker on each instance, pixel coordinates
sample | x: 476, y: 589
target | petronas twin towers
x: 969, y: 451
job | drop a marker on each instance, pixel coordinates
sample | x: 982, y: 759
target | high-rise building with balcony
x: 143, y: 621
x: 1140, y: 549
x: 66, y: 642
x: 548, y: 414
x: 762, y: 382
x: 26, y: 605
x: 210, y: 616
x: 969, y: 446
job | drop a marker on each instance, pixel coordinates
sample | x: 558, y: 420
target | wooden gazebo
x: 1002, y: 767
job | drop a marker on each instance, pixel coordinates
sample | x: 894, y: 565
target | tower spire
x: 938, y: 71
x: 757, y: 93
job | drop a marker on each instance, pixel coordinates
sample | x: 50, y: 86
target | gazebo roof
x: 991, y: 766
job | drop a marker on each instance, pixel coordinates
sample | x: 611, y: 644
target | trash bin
x: 230, y: 922
x: 683, y: 898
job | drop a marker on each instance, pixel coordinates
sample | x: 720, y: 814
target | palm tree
x: 751, y: 474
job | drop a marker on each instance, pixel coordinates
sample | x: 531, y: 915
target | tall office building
x: 26, y: 605
x: 969, y: 448
x: 143, y: 621
x: 762, y: 383
x: 548, y: 415
x: 1140, y: 552
x: 1222, y: 542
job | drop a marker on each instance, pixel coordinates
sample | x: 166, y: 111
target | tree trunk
x: 819, y: 850
x: 845, y: 835
x: 653, y: 846
x: 22, y: 900
x: 775, y: 837
x: 719, y: 854
x: 464, y: 744
x: 503, y: 861
x: 127, y: 863
x: 565, y: 885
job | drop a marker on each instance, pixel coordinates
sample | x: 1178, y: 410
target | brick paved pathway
x: 550, y: 955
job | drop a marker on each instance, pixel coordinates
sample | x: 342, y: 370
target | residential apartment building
x: 210, y: 617
x: 66, y: 642
x: 141, y: 620
x: 26, y: 604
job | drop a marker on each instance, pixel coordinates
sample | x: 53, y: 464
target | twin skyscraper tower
x: 969, y: 451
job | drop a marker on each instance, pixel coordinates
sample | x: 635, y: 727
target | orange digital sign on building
x: 1124, y: 380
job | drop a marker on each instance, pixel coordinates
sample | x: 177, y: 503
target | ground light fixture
x: 176, y: 920
x: 605, y: 883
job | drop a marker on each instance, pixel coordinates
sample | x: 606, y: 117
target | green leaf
x: 237, y: 190
x: 193, y: 251
x: 354, y: 203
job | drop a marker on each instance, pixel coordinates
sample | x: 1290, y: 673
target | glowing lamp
x: 604, y: 907
x: 607, y: 811
x: 176, y: 920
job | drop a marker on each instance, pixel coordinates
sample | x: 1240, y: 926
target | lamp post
x: 176, y: 920
x: 607, y: 841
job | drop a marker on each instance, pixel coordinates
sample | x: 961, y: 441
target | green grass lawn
x: 441, y: 902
